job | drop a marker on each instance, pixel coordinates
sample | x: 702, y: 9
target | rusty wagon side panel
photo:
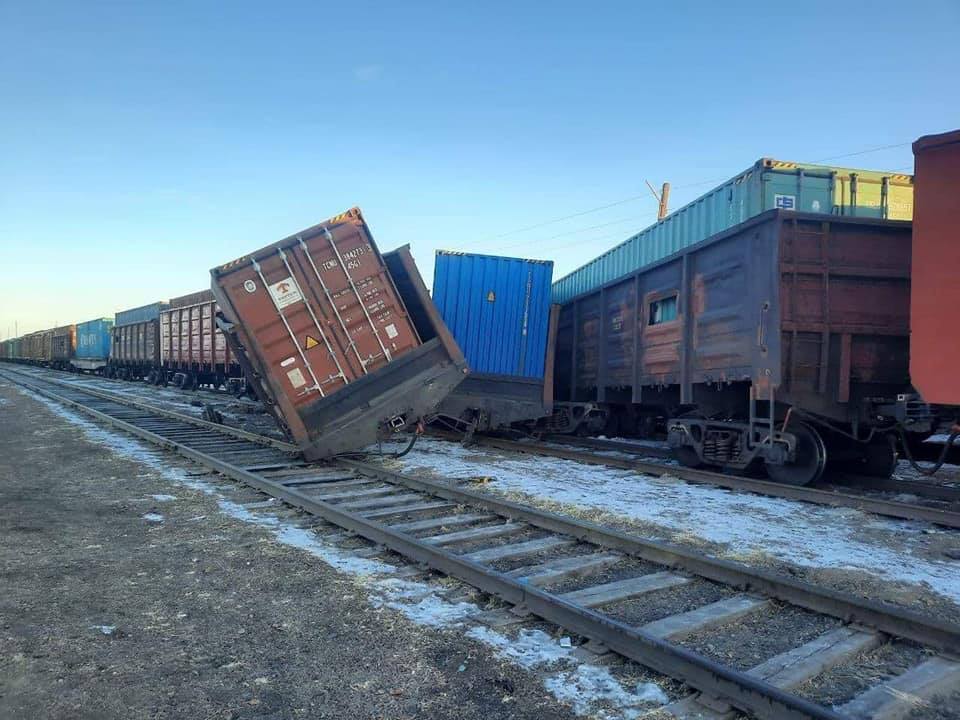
x: 813, y: 308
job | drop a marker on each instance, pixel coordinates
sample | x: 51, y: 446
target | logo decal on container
x: 785, y: 202
x: 285, y: 293
x: 250, y: 286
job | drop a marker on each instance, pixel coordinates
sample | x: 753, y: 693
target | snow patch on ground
x: 164, y: 498
x: 588, y: 684
x: 586, y: 688
x: 153, y: 517
x: 105, y: 629
x: 801, y: 533
x: 531, y: 648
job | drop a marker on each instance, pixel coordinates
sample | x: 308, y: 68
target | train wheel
x: 810, y: 460
x: 687, y: 457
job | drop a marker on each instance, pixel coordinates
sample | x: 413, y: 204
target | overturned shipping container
x: 339, y: 342
x: 498, y: 309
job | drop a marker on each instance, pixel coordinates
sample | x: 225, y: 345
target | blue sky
x: 142, y: 144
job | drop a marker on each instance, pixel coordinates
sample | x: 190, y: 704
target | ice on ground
x: 153, y: 517
x: 164, y: 498
x: 105, y: 629
x: 801, y: 533
x: 588, y: 684
x: 531, y: 648
x: 586, y: 688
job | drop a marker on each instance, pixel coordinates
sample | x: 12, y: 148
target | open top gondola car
x: 782, y: 341
x: 340, y: 343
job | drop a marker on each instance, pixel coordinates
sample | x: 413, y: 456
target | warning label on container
x: 297, y: 378
x: 285, y: 293
x: 391, y: 331
x: 311, y: 342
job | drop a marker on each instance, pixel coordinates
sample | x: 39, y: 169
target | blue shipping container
x: 93, y: 339
x: 768, y: 184
x: 145, y: 313
x: 498, y: 309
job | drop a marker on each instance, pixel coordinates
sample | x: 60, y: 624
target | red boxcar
x: 193, y: 350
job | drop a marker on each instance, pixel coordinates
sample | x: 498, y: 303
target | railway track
x: 827, y: 493
x: 570, y: 572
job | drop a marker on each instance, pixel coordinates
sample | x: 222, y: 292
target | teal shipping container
x: 498, y: 309
x: 93, y: 339
x: 143, y: 314
x: 767, y: 185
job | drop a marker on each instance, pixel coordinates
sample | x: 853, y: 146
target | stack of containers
x: 498, y: 310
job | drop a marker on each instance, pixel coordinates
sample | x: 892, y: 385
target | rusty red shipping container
x: 341, y: 341
x: 935, y: 296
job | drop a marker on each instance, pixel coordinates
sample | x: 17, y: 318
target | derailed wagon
x: 782, y: 341
x: 342, y: 344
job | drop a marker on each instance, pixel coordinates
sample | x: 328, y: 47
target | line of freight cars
x: 176, y: 342
x: 757, y: 336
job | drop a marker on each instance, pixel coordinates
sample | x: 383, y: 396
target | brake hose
x: 940, y: 461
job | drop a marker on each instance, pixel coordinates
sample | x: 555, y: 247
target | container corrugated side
x: 498, y: 309
x: 767, y: 185
x: 935, y: 291
x: 145, y: 313
x: 321, y: 328
x: 93, y: 339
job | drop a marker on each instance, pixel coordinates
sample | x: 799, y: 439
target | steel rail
x: 172, y: 414
x: 885, y: 618
x: 877, y: 506
x: 742, y: 690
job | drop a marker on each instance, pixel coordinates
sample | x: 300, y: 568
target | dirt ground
x: 107, y: 614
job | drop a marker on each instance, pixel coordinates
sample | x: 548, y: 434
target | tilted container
x: 498, y: 309
x: 338, y: 346
x: 93, y: 344
x: 767, y: 185
x: 935, y: 296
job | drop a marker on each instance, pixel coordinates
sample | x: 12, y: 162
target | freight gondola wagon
x: 135, y: 352
x: 63, y: 347
x: 498, y: 309
x: 93, y: 345
x: 193, y: 350
x: 342, y: 344
x: 782, y: 341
